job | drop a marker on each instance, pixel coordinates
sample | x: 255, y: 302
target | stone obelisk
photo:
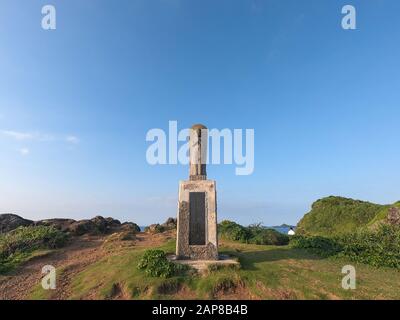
x: 197, y: 206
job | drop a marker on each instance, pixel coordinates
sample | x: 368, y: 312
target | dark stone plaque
x: 197, y: 221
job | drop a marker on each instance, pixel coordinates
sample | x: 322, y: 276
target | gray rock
x: 170, y: 224
x: 101, y: 224
x: 154, y: 228
x: 130, y: 226
x: 10, y: 222
x: 95, y: 226
x: 60, y: 224
x: 82, y: 227
x: 113, y: 222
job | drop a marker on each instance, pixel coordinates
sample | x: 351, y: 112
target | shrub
x: 319, y: 245
x: 265, y: 236
x: 255, y: 234
x: 156, y: 264
x: 19, y: 243
x: 379, y: 248
x: 233, y: 231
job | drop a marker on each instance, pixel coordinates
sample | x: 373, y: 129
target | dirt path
x: 71, y: 260
x: 153, y: 240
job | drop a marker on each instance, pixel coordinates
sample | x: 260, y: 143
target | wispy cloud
x: 26, y: 137
x: 18, y: 135
x: 23, y: 151
x: 72, y: 139
x: 38, y: 136
x: 23, y: 136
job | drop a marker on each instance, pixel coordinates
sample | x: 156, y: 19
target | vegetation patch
x: 267, y: 272
x: 389, y: 214
x: 337, y: 215
x: 17, y: 245
x: 156, y: 264
x: 169, y: 287
x: 253, y: 234
x: 225, y: 285
x: 218, y: 267
x: 379, y: 247
x: 322, y: 246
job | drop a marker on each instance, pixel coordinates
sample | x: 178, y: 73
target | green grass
x: 337, y: 215
x: 294, y: 273
x: 19, y: 245
x: 382, y: 214
x: 8, y: 266
x: 267, y: 272
x: 119, y: 269
x: 38, y: 293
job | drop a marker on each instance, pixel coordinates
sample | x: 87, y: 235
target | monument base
x: 205, y: 265
x: 197, y: 221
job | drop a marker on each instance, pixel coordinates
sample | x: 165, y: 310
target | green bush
x: 233, y: 231
x: 262, y: 235
x: 255, y: 234
x: 379, y: 248
x: 156, y: 264
x: 19, y: 243
x: 320, y: 245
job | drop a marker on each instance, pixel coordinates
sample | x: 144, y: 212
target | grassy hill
x: 337, y: 215
x: 267, y: 272
x: 106, y: 267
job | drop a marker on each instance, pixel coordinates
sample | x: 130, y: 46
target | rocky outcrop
x: 60, y: 224
x: 10, y: 222
x: 95, y: 226
x: 82, y: 227
x: 130, y: 226
x: 154, y: 228
x: 170, y: 224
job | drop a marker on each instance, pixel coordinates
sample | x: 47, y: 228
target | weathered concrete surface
x: 198, y: 152
x: 203, y: 265
x: 184, y: 250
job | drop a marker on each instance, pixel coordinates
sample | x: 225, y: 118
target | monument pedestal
x: 197, y: 221
x: 204, y: 266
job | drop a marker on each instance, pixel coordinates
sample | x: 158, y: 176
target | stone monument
x: 197, y: 206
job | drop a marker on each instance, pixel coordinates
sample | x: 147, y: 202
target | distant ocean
x: 283, y: 229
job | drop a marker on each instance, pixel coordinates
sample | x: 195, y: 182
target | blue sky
x: 76, y: 104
